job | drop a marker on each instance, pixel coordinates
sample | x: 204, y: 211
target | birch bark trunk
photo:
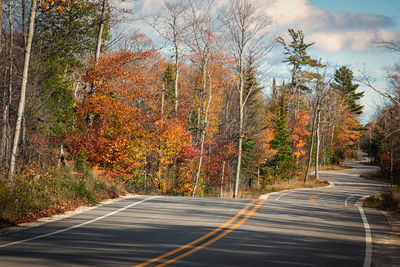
x: 21, y: 105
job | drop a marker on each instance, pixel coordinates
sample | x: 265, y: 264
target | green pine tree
x: 253, y: 125
x: 283, y: 162
x: 297, y: 57
x: 168, y: 79
x: 67, y: 39
x: 344, y: 85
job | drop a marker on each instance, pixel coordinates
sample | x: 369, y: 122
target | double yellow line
x: 195, y: 243
x: 313, y: 197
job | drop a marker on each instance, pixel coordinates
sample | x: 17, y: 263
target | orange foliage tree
x: 112, y: 129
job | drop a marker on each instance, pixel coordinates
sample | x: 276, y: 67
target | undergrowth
x: 284, y: 185
x: 38, y: 192
x: 388, y: 201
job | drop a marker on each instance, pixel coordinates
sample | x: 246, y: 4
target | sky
x: 345, y: 32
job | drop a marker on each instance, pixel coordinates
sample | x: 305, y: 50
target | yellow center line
x: 313, y: 197
x: 198, y: 239
x: 211, y: 241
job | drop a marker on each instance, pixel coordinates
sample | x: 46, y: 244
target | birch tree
x: 200, y: 40
x: 7, y: 94
x: 21, y: 105
x: 246, y: 29
x: 101, y: 29
x: 171, y: 26
x: 321, y: 87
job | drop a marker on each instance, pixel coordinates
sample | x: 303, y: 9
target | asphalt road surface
x: 308, y: 227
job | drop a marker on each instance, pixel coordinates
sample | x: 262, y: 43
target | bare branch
x: 367, y: 82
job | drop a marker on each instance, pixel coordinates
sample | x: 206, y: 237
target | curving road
x: 307, y: 227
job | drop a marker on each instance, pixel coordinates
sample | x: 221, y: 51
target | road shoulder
x: 58, y: 217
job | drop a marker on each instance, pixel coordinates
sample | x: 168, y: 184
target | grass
x: 40, y: 192
x: 334, y: 167
x: 284, y: 185
x: 387, y: 201
x: 376, y: 176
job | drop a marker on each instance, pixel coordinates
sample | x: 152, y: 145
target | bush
x: 389, y: 201
x: 37, y: 192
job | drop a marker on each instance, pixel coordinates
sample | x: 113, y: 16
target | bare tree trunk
x: 23, y: 18
x: 311, y: 144
x: 23, y: 24
x: 222, y: 179
x: 176, y: 76
x: 162, y: 101
x: 391, y: 149
x: 6, y: 131
x: 21, y: 106
x: 100, y: 32
x: 317, y: 144
x: 1, y: 25
x: 203, y: 130
x: 3, y: 144
x: 241, y: 118
x: 333, y: 134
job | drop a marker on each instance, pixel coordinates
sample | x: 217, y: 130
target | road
x: 308, y: 227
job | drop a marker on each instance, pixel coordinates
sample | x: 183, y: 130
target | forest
x: 88, y: 114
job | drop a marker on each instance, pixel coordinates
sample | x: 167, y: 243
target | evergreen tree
x: 67, y: 39
x: 168, y: 79
x: 374, y: 145
x: 297, y: 56
x: 253, y: 124
x: 344, y: 85
x: 283, y: 162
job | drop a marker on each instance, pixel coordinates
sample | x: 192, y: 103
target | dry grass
x: 388, y: 201
x: 41, y: 192
x: 285, y: 185
x: 376, y: 176
x: 334, y: 167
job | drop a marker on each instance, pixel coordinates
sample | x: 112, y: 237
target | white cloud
x: 331, y: 30
x: 124, y: 4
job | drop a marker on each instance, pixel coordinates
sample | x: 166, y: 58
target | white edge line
x: 345, y: 202
x: 281, y: 196
x: 368, y: 239
x: 78, y: 225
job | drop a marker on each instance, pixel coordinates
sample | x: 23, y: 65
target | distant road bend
x: 307, y: 227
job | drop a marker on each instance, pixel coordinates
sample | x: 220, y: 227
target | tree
x: 297, y: 56
x: 110, y: 125
x: 1, y: 24
x: 66, y: 50
x: 21, y: 106
x: 254, y: 125
x: 170, y: 25
x: 246, y: 29
x: 282, y: 163
x: 101, y: 29
x: 7, y: 95
x: 200, y: 41
x: 321, y: 91
x: 47, y: 6
x: 344, y: 85
x: 168, y: 91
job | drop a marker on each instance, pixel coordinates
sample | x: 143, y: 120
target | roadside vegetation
x: 88, y: 116
x: 284, y: 185
x: 46, y: 191
x: 388, y: 200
